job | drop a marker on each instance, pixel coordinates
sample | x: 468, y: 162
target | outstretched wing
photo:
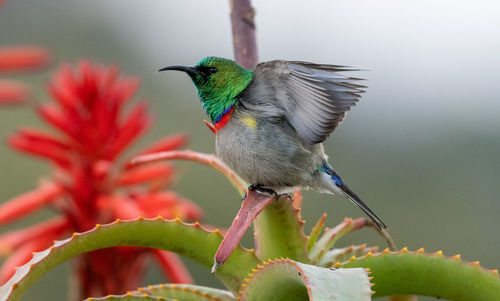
x: 315, y: 98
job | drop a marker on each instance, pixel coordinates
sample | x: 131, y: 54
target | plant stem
x: 244, y: 38
x: 207, y: 159
x: 383, y: 233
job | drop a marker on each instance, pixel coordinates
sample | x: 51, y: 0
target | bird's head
x: 218, y: 82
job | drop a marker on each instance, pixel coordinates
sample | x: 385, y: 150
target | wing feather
x: 317, y: 96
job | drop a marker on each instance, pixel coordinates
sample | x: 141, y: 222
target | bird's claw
x: 261, y: 189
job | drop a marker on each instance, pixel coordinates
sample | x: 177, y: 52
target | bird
x: 270, y: 122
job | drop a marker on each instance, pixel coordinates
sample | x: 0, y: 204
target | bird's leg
x: 262, y: 189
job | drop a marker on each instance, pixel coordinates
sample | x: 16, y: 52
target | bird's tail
x: 336, y: 185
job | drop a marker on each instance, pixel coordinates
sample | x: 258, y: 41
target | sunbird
x: 270, y: 122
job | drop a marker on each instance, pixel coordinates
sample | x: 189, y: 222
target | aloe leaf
x: 344, y: 254
x: 279, y: 232
x: 315, y: 232
x: 130, y: 297
x: 330, y: 236
x: 288, y: 280
x: 419, y: 273
x: 186, y: 292
x: 188, y: 240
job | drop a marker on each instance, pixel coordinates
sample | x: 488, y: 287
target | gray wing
x: 316, y: 97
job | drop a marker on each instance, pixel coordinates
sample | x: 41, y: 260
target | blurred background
x: 422, y: 147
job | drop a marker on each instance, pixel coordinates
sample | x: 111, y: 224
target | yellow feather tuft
x: 249, y: 122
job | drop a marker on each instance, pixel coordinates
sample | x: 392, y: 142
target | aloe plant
x: 287, y: 264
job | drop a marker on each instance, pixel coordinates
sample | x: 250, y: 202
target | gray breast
x: 270, y: 154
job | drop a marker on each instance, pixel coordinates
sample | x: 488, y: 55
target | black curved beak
x: 189, y: 70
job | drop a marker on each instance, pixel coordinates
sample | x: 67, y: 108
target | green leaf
x: 315, y: 232
x: 279, y: 232
x: 288, y: 280
x: 344, y: 254
x: 129, y: 297
x: 419, y: 273
x: 190, y: 241
x: 329, y: 238
x: 186, y: 292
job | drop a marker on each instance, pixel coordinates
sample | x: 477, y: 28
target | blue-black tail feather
x: 352, y: 196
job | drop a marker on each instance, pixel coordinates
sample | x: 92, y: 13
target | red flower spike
x: 89, y: 186
x: 50, y: 230
x: 125, y: 89
x: 124, y: 208
x: 169, y: 205
x: 36, y: 136
x: 166, y: 144
x: 58, y: 119
x: 27, y: 203
x: 135, y: 123
x: 101, y: 169
x: 18, y: 258
x: 13, y: 93
x: 150, y: 202
x: 145, y: 173
x: 23, y: 255
x: 190, y: 210
x: 41, y: 146
x: 66, y: 99
x: 22, y: 58
x: 173, y: 268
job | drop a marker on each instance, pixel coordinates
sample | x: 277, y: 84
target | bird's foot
x: 262, y: 189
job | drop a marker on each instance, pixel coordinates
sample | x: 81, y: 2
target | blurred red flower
x: 89, y: 185
x: 16, y: 59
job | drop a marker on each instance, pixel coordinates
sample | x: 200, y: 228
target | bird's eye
x: 207, y: 70
x: 212, y: 70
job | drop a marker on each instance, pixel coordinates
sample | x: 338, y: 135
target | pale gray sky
x: 437, y: 59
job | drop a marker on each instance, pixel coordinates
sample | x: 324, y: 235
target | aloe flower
x: 17, y: 59
x: 89, y: 184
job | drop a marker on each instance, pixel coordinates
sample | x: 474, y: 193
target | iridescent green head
x: 218, y: 82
